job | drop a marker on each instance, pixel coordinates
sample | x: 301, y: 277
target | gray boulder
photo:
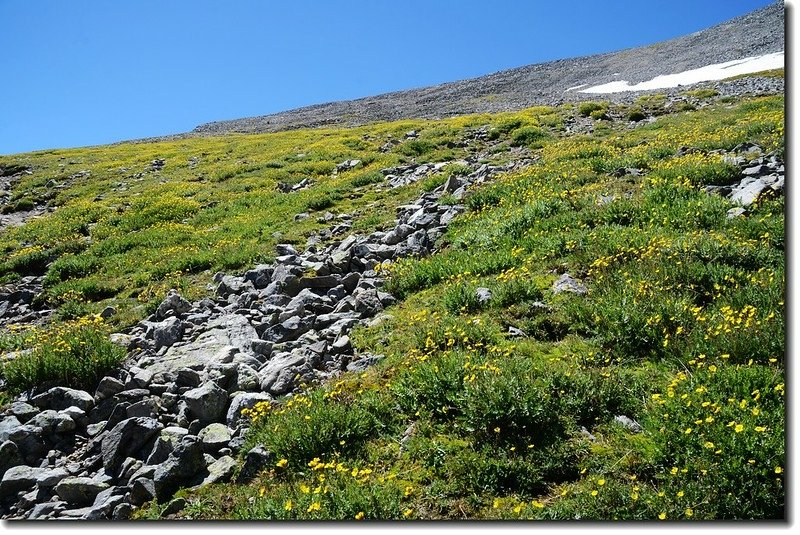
x: 207, y: 403
x: 126, y: 439
x: 367, y: 303
x: 185, y: 463
x: 277, y: 376
x: 9, y: 456
x: 289, y: 330
x: 143, y: 490
x: 22, y: 411
x: 7, y: 426
x: 60, y: 397
x: 748, y: 191
x: 79, y: 491
x: 241, y: 401
x: 29, y: 441
x: 229, y: 285
x: 213, y: 345
x: 108, y: 387
x: 53, y: 422
x: 260, y: 276
x: 163, y: 333
x: 220, y: 470
x: 214, y: 437
x: 19, y: 478
x: 172, y: 305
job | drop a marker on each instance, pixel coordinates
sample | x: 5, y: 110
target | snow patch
x: 717, y: 71
x: 575, y: 87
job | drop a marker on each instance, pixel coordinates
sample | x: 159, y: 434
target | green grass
x: 682, y: 328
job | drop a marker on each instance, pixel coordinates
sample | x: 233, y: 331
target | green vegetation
x: 595, y: 110
x: 75, y: 354
x: 682, y: 329
x: 124, y: 233
x: 703, y: 93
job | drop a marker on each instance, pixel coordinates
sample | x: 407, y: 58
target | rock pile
x: 17, y: 301
x: 171, y: 417
x: 760, y: 174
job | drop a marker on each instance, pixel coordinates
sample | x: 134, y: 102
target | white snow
x: 717, y: 71
x: 575, y: 87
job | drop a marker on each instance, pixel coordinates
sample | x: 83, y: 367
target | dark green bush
x: 587, y: 108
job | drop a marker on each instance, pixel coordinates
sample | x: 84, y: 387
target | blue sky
x: 87, y: 72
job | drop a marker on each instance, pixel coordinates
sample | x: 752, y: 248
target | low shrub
x: 585, y: 109
x: 636, y: 115
x: 366, y: 178
x: 415, y: 147
x: 528, y: 136
x: 74, y: 354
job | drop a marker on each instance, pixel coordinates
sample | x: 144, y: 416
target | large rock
x: 207, y: 403
x: 29, y: 441
x: 163, y: 333
x: 126, y: 439
x: 60, y: 397
x: 214, y: 437
x: 109, y: 386
x: 229, y: 285
x: 260, y: 276
x: 277, y: 376
x: 241, y: 401
x: 19, y: 478
x: 7, y: 426
x: 79, y: 491
x: 185, y: 463
x: 230, y: 330
x: 289, y: 330
x: 220, y: 470
x: 23, y: 411
x: 367, y: 303
x: 172, y: 305
x: 9, y: 456
x: 53, y: 422
x: 143, y: 490
x: 748, y: 191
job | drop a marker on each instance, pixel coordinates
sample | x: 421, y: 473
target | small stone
x: 736, y: 212
x: 628, y: 423
x: 566, y: 283
x: 484, y: 295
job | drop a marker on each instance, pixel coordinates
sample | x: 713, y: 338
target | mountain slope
x: 754, y: 34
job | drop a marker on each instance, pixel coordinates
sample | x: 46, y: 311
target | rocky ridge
x: 757, y: 33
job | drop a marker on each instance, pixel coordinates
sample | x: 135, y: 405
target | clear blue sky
x: 87, y: 72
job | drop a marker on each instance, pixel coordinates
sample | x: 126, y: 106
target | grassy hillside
x: 681, y: 330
